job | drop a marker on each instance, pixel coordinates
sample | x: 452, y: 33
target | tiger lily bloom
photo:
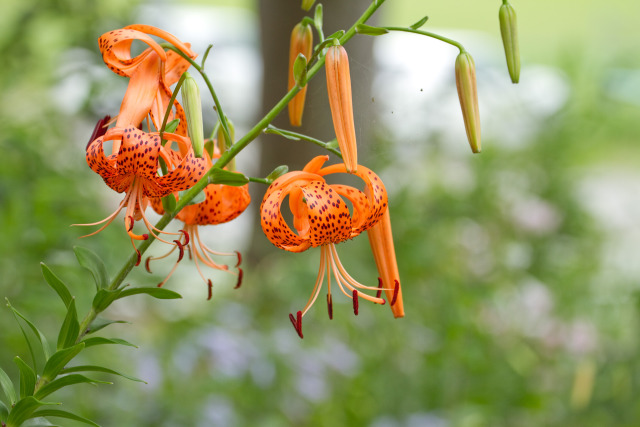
x: 341, y: 104
x: 134, y: 171
x: 222, y: 204
x: 322, y: 218
x: 151, y: 74
x: 301, y: 42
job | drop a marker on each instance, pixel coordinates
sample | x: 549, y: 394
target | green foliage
x: 27, y: 378
x: 92, y: 262
x: 70, y: 327
x: 57, y: 284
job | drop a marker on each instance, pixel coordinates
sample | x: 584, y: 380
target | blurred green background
x: 520, y: 267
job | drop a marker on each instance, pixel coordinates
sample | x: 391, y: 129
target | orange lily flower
x: 134, y: 170
x: 341, y: 104
x: 384, y: 253
x: 151, y: 74
x: 222, y: 204
x: 322, y: 218
x: 301, y: 42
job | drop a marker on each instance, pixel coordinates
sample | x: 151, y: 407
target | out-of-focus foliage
x: 516, y: 313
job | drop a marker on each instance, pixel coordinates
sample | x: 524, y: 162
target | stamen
x: 330, y: 306
x: 130, y: 226
x: 146, y: 264
x: 239, y: 282
x: 239, y: 258
x: 379, y: 293
x: 209, y: 289
x: 186, y: 237
x: 355, y: 302
x: 139, y: 257
x: 395, y: 292
x: 297, y: 322
x: 181, y: 248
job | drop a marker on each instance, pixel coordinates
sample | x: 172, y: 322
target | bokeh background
x: 520, y: 266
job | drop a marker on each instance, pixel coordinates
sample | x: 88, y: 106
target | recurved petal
x: 141, y: 92
x: 182, y: 177
x: 223, y: 203
x: 116, y: 50
x: 275, y: 227
x: 329, y: 218
x: 148, y: 29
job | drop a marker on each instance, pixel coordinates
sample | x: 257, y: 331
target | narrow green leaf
x: 172, y: 125
x: 277, y: 172
x: 27, y: 378
x: 100, y: 323
x: 370, y: 31
x: 65, y: 381
x: 36, y: 331
x: 104, y: 298
x: 63, y: 414
x: 38, y: 422
x: 159, y: 293
x: 23, y: 410
x: 57, y: 284
x: 70, y: 327
x: 4, y: 412
x: 169, y: 203
x: 94, y: 368
x: 92, y: 262
x: 336, y: 35
x: 276, y: 131
x: 90, y: 342
x: 420, y: 23
x: 222, y: 176
x: 58, y: 361
x: 7, y: 387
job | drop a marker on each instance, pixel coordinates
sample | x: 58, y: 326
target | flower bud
x: 468, y: 96
x: 509, y: 31
x: 340, y: 101
x: 223, y: 144
x: 306, y: 4
x: 301, y: 43
x: 193, y: 111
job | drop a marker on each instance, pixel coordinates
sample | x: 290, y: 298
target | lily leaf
x: 274, y: 130
x: 169, y: 203
x: 420, y: 23
x: 57, y: 284
x: 159, y: 293
x: 92, y: 262
x: 370, y: 31
x: 4, y: 412
x: 222, y: 176
x: 7, y: 387
x: 90, y: 342
x: 27, y: 378
x: 58, y: 361
x: 23, y: 410
x: 70, y: 327
x: 43, y: 340
x: 99, y: 323
x: 104, y: 298
x: 65, y: 381
x: 94, y: 368
x: 64, y: 414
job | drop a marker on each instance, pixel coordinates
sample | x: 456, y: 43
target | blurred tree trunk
x: 277, y: 19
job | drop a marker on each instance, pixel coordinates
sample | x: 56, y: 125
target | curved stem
x: 428, y: 34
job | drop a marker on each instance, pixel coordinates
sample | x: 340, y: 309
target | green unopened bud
x: 222, y: 176
x: 306, y: 4
x: 277, y: 172
x: 193, y: 111
x: 468, y: 96
x: 317, y: 17
x: 223, y: 144
x: 300, y: 70
x: 509, y: 31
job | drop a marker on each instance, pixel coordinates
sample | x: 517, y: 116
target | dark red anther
x: 395, y: 293
x: 355, y: 302
x: 180, y: 248
x: 239, y: 282
x: 160, y: 284
x: 330, y: 306
x: 209, y: 290
x: 145, y: 236
x: 99, y: 130
x: 130, y: 218
x: 297, y: 322
x: 379, y: 293
x: 146, y: 264
x: 239, y: 259
x: 139, y: 257
x: 186, y: 237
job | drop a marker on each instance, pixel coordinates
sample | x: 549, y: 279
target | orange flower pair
x: 321, y: 218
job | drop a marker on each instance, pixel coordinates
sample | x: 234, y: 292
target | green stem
x: 170, y: 107
x: 428, y: 34
x: 326, y: 145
